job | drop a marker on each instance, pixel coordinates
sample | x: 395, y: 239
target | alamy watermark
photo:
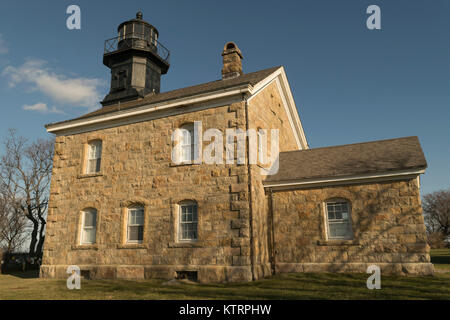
x: 188, y: 147
x: 74, y: 280
x: 374, y: 20
x: 374, y: 281
x: 73, y: 22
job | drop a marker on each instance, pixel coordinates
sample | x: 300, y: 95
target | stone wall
x: 265, y: 111
x: 136, y: 169
x: 387, y: 222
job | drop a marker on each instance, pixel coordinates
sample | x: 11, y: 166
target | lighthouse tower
x: 136, y: 59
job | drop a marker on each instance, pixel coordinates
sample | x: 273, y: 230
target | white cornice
x: 161, y: 109
x: 354, y: 179
x: 136, y: 111
x: 280, y: 78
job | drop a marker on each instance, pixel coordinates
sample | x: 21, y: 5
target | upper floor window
x: 89, y: 226
x: 135, y: 227
x: 339, y: 221
x: 188, y: 221
x: 187, y: 143
x: 94, y: 157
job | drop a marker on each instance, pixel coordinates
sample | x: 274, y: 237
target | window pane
x: 88, y: 235
x: 188, y: 222
x: 339, y: 222
x: 186, y: 153
x: 139, y: 217
x: 340, y: 230
x: 97, y: 165
x: 135, y: 233
x: 90, y: 218
x: 132, y: 233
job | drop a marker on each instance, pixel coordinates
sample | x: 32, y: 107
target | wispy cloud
x: 78, y: 91
x: 3, y: 46
x: 42, y: 108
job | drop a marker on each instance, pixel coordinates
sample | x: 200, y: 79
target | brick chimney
x: 232, y: 61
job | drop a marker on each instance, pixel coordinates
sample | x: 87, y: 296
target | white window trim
x: 191, y: 145
x: 97, y: 144
x: 83, y: 227
x: 128, y: 225
x: 327, y: 222
x: 179, y: 229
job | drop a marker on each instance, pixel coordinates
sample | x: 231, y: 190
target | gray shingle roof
x: 249, y: 78
x: 352, y: 159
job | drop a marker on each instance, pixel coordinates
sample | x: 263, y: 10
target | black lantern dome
x: 136, y: 59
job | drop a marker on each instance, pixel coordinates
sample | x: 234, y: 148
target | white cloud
x: 41, y: 107
x: 3, y: 46
x: 83, y: 92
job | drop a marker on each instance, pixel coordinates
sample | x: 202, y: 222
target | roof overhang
x: 214, y: 98
x: 344, y: 180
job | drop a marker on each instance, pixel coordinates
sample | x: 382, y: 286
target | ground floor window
x: 135, y: 228
x: 338, y: 218
x: 188, y: 221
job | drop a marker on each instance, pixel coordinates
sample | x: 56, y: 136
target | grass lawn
x: 441, y: 259
x: 282, y: 286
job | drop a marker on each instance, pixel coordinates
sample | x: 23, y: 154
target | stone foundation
x: 205, y: 274
x: 423, y: 269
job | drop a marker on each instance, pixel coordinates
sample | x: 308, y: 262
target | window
x: 187, y: 143
x: 188, y: 221
x: 135, y: 229
x: 89, y: 226
x: 94, y: 156
x: 339, y: 223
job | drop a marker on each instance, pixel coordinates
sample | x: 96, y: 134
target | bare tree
x: 13, y: 225
x: 25, y: 172
x: 436, y: 209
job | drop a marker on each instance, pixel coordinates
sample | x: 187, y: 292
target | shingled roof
x: 245, y: 79
x: 349, y: 160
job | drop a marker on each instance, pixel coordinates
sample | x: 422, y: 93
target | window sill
x: 187, y: 244
x: 85, y: 247
x: 338, y: 242
x: 183, y: 164
x: 132, y: 246
x: 89, y: 175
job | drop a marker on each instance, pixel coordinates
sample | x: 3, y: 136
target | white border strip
x: 53, y: 128
x: 344, y: 180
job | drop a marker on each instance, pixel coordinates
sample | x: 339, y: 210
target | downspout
x: 271, y: 231
x: 252, y: 256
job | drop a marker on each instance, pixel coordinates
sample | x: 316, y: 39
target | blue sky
x: 350, y: 84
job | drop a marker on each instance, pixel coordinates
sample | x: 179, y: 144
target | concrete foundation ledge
x: 205, y: 274
x: 421, y: 268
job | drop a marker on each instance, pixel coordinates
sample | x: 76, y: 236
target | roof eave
x: 349, y: 179
x: 146, y: 108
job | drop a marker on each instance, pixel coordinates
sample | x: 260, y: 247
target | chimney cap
x: 231, y: 47
x: 232, y: 61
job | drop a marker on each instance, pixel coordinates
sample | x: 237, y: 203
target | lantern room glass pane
x: 139, y: 30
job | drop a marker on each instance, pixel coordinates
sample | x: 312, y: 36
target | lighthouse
x: 136, y: 59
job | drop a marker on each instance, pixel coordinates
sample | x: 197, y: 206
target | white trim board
x: 355, y: 179
x: 279, y: 76
x: 147, y: 112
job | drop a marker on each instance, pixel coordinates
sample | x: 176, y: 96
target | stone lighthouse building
x: 121, y: 207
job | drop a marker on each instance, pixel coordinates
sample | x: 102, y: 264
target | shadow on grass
x: 440, y: 259
x: 31, y: 274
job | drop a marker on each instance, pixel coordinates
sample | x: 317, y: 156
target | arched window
x: 89, y: 226
x: 135, y: 225
x: 188, y: 221
x: 339, y: 219
x: 187, y: 143
x: 94, y: 156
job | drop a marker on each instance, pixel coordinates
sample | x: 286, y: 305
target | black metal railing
x: 139, y: 42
